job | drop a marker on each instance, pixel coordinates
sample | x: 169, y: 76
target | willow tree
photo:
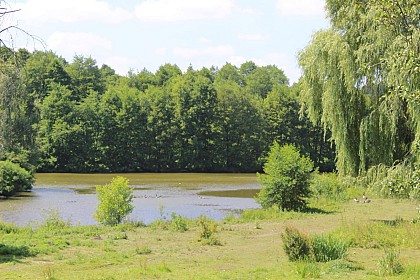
x: 361, y: 80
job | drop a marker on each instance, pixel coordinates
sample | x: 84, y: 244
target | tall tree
x: 166, y: 72
x: 361, y: 80
x: 262, y: 80
x: 196, y: 113
x: 162, y: 129
x: 241, y: 125
x: 85, y: 76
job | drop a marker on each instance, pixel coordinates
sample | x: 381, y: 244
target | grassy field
x: 249, y: 247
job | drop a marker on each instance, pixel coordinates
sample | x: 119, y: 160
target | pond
x: 157, y: 196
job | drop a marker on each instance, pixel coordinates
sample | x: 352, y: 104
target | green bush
x: 208, y: 231
x: 295, y: 244
x: 286, y: 179
x: 399, y: 181
x: 115, y: 202
x: 328, y: 185
x: 179, y: 223
x: 327, y: 248
x: 13, y: 179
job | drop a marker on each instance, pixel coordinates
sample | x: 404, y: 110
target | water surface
x: 157, y: 195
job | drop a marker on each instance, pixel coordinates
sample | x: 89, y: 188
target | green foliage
x: 295, y: 244
x: 15, y: 251
x: 327, y: 248
x: 179, y: 223
x: 78, y: 117
x: 307, y: 269
x: 53, y: 221
x: 390, y: 263
x: 208, y: 231
x: 13, y: 179
x: 286, y: 179
x: 399, y: 181
x: 328, y: 185
x: 361, y: 81
x: 115, y: 201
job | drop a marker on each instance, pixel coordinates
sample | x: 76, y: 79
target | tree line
x: 79, y: 117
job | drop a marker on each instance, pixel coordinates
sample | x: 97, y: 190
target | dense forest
x: 79, y: 117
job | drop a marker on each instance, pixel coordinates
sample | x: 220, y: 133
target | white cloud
x: 217, y: 51
x: 68, y: 44
x: 301, y: 7
x: 253, y: 37
x: 248, y: 11
x: 43, y: 11
x: 120, y: 64
x: 161, y: 51
x: 204, y: 40
x: 182, y: 10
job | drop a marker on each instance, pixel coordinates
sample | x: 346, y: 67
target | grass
x: 171, y: 250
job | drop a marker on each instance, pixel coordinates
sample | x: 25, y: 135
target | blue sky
x: 137, y: 34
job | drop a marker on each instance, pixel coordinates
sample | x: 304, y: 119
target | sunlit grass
x: 251, y: 245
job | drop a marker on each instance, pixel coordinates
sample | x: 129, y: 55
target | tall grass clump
x: 307, y: 269
x: 295, y: 244
x: 327, y: 248
x: 390, y: 263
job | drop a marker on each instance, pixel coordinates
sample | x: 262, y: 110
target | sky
x: 145, y: 34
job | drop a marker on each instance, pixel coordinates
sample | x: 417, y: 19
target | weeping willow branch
x: 361, y: 79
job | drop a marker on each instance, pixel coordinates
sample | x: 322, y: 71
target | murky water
x: 156, y: 196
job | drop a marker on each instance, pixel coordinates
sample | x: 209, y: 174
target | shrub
x: 399, y: 181
x: 13, y: 178
x: 115, y: 202
x: 208, y: 231
x: 179, y: 223
x: 328, y: 185
x: 390, y: 263
x: 295, y: 244
x: 286, y: 179
x: 327, y: 248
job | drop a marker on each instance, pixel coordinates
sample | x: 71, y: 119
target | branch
x: 5, y: 11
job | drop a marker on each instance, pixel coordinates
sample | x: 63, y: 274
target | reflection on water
x: 156, y: 196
